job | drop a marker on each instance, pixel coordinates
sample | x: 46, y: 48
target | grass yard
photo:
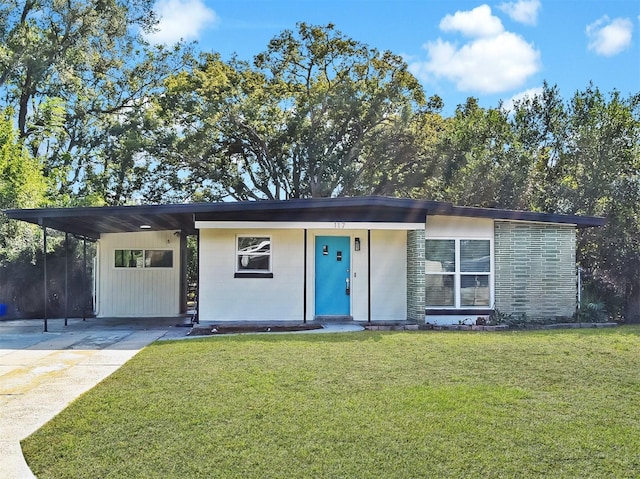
x: 359, y: 405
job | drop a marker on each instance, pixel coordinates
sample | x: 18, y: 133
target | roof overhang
x: 95, y: 221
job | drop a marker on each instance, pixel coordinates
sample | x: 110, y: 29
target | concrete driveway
x: 41, y: 373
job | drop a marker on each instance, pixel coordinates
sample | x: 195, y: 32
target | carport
x: 88, y: 224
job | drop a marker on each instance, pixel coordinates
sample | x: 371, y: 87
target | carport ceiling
x: 94, y: 221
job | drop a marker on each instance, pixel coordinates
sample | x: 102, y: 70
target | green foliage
x: 592, y: 308
x: 365, y: 405
x: 74, y: 72
x: 108, y: 120
x: 22, y: 185
x: 305, y: 119
x: 498, y: 316
x: 593, y: 312
x: 21, y: 182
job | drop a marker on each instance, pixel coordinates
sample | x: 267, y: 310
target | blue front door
x: 333, y: 266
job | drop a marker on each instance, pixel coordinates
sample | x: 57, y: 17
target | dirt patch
x: 237, y: 329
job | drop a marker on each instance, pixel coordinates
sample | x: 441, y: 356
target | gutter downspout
x: 84, y: 278
x: 66, y: 278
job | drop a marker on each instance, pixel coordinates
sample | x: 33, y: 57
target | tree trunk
x: 632, y: 308
x: 24, y: 105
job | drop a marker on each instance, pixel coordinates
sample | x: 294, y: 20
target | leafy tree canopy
x: 75, y: 72
x: 301, y: 120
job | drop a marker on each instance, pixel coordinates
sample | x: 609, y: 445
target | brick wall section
x: 416, y: 280
x: 535, y: 269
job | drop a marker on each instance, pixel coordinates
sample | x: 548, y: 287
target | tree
x: 301, y: 121
x: 72, y: 70
x: 21, y: 182
x: 598, y: 173
x: 407, y: 155
x: 478, y: 160
x: 22, y: 185
x: 587, y: 161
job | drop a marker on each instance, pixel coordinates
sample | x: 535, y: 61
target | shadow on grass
x: 338, y: 337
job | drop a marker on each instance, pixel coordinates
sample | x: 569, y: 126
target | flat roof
x: 94, y: 221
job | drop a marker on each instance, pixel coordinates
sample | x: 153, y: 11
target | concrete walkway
x: 41, y: 373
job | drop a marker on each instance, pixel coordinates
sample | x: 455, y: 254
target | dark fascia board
x: 93, y: 221
x: 498, y: 214
x: 352, y: 209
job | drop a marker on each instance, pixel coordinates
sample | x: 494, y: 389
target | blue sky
x: 491, y: 51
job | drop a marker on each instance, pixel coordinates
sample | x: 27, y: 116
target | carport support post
x: 197, y: 275
x: 66, y: 278
x: 84, y: 278
x: 46, y: 295
x: 369, y: 276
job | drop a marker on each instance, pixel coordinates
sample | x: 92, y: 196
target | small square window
x: 253, y: 256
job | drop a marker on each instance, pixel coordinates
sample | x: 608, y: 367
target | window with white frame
x: 143, y: 258
x: 253, y: 255
x: 458, y: 273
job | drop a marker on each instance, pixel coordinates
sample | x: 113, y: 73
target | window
x: 457, y: 273
x: 139, y: 258
x: 158, y: 258
x: 253, y: 257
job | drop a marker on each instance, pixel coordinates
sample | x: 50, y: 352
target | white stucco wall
x: 388, y: 275
x: 459, y: 227
x: 225, y: 298
x: 138, y: 292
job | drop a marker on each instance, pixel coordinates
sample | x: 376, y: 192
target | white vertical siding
x: 225, y: 298
x: 138, y: 292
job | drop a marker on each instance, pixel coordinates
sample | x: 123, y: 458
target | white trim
x: 327, y: 225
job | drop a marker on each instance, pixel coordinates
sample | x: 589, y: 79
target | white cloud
x: 494, y: 61
x: 478, y: 22
x: 523, y: 11
x: 530, y: 93
x: 181, y: 20
x: 609, y: 37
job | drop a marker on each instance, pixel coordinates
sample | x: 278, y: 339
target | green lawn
x: 359, y: 405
